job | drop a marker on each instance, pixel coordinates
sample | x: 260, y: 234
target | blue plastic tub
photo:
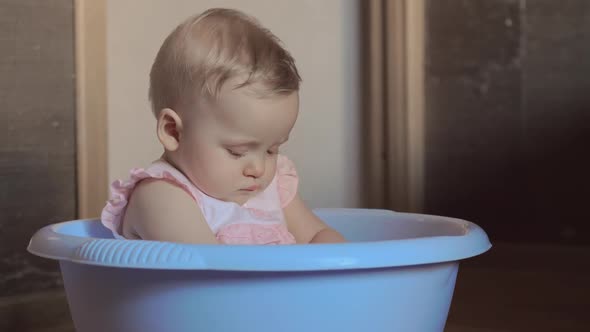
x: 398, y: 274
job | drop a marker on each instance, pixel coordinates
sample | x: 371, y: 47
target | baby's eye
x: 235, y: 153
x: 272, y: 151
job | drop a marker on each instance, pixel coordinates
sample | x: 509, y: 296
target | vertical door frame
x: 91, y: 106
x: 404, y: 96
x: 393, y: 40
x: 415, y: 24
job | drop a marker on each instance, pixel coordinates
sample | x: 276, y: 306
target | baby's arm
x: 161, y: 211
x: 306, y: 226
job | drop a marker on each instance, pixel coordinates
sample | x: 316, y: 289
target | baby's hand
x: 306, y: 226
x: 328, y: 235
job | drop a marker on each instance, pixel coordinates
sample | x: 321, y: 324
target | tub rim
x: 140, y: 254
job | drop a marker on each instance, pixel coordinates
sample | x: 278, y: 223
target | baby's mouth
x: 251, y: 188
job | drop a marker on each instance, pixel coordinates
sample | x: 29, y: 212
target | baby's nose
x: 255, y: 168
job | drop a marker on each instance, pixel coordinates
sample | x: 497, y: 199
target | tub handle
x: 48, y: 243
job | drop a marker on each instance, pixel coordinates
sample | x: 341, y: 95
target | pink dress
x: 259, y: 221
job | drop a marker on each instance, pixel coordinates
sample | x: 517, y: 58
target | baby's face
x: 229, y: 147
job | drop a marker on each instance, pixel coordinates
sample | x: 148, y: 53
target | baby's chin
x: 240, y: 197
x: 243, y: 196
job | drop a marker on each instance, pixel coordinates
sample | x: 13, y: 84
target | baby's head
x: 225, y: 94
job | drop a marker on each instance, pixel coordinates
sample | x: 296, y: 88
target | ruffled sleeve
x: 114, y: 210
x: 287, y: 180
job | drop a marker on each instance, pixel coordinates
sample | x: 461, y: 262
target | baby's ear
x: 169, y: 129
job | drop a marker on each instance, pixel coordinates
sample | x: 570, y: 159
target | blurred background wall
x: 37, y: 153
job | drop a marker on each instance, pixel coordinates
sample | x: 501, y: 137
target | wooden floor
x: 516, y: 288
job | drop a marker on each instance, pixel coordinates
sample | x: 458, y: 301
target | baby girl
x: 225, y: 95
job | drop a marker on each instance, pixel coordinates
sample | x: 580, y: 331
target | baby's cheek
x: 211, y: 166
x: 212, y: 159
x: 270, y: 173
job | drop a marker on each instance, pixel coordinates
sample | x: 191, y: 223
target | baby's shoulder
x: 152, y: 196
x: 147, y: 193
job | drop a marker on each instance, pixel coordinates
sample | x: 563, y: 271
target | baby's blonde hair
x: 207, y: 50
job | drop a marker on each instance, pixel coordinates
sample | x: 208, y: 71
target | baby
x: 225, y: 95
